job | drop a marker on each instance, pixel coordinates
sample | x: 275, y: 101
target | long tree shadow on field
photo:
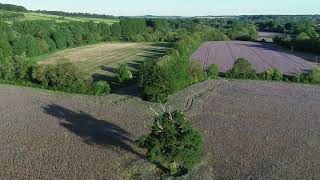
x: 90, y: 129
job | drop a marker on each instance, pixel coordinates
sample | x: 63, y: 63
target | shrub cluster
x: 311, y: 78
x: 213, y: 71
x: 271, y: 75
x: 67, y: 77
x: 123, y: 73
x: 242, y: 69
x: 173, y: 143
x: 16, y: 69
x: 64, y: 77
x: 314, y: 76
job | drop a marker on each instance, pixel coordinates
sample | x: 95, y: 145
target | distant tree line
x: 299, y: 32
x: 306, y: 40
x: 282, y: 23
x: 11, y: 7
x: 77, y: 14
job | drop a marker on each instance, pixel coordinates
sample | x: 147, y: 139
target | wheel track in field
x: 261, y: 59
x: 191, y: 99
x: 292, y: 64
x: 231, y: 52
x: 292, y: 61
x: 207, y: 56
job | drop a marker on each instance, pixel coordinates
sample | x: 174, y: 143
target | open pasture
x: 262, y: 56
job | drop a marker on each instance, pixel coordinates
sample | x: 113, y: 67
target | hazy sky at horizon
x: 175, y: 7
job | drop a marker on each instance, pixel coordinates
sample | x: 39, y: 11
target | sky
x: 175, y: 7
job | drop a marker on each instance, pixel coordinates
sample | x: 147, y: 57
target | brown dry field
x: 262, y: 56
x: 252, y: 130
x: 100, y: 59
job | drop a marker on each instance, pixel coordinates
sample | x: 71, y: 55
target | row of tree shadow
x: 93, y: 131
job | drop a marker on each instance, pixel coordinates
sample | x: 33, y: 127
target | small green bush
x: 266, y: 75
x: 277, y: 75
x: 7, y: 70
x: 271, y: 75
x: 301, y: 78
x: 315, y: 76
x: 100, y: 88
x: 123, y: 73
x: 195, y: 70
x: 213, y: 71
x: 242, y: 69
x: 173, y: 143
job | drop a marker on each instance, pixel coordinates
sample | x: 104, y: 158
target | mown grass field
x: 101, y: 59
x: 30, y: 16
x: 40, y: 16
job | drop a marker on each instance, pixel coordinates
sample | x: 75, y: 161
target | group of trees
x: 304, y: 41
x: 174, y: 71
x: 242, y: 31
x: 11, y: 7
x: 302, y: 32
x: 65, y: 77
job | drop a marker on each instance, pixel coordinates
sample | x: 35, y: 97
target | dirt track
x: 253, y: 129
